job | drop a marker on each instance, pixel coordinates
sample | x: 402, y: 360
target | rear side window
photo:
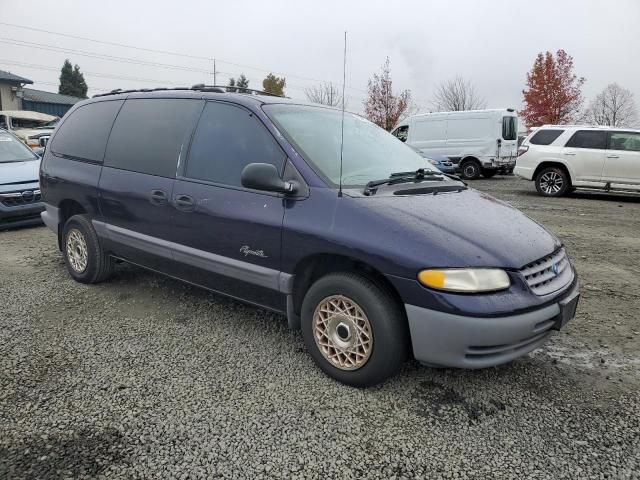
x: 545, y: 137
x: 626, y: 141
x: 150, y: 134
x: 588, y: 139
x: 509, y: 128
x: 402, y: 133
x: 227, y: 139
x: 83, y: 135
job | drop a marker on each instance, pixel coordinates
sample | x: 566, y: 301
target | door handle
x: 613, y: 156
x: 184, y: 202
x: 569, y: 153
x: 158, y: 197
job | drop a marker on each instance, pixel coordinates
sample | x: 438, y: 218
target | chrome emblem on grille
x: 28, y: 196
x: 554, y: 268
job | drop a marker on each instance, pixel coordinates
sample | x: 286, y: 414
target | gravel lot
x: 145, y: 377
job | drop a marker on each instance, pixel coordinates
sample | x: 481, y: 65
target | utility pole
x: 214, y: 71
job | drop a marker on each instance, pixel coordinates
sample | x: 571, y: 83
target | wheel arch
x: 553, y: 163
x: 68, y: 208
x: 311, y: 268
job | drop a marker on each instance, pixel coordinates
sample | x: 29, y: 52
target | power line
x: 104, y: 42
x: 90, y: 74
x: 101, y: 56
x: 166, y: 52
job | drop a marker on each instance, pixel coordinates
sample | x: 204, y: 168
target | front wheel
x: 470, y: 170
x: 354, y: 329
x: 552, y: 182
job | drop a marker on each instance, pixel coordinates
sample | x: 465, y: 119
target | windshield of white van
x: 13, y: 150
x: 370, y: 153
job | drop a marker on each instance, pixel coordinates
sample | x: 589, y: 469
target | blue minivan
x: 375, y: 255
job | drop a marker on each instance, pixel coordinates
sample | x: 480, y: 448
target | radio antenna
x: 344, y: 79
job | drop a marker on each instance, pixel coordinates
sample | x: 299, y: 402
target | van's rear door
x: 148, y: 138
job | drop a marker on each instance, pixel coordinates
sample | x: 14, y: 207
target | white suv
x: 561, y: 158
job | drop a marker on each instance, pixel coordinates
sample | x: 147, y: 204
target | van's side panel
x: 62, y: 179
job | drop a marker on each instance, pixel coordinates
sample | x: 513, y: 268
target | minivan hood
x: 458, y: 229
x: 18, y: 172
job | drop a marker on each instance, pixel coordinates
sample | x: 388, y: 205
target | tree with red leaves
x: 382, y: 107
x: 554, y: 94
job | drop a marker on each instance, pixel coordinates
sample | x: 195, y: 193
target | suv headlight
x: 465, y: 280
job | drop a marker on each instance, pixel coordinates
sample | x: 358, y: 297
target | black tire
x: 552, y: 182
x: 486, y: 173
x: 389, y: 347
x: 470, y: 169
x: 98, y: 265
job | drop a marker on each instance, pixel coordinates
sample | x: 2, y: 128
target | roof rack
x: 199, y: 87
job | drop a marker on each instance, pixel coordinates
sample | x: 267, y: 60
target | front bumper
x: 20, y: 215
x: 451, y: 340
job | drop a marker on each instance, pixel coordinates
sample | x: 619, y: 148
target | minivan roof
x: 240, y: 98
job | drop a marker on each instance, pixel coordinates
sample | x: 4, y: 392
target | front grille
x: 15, y: 199
x: 495, y: 352
x: 548, y: 274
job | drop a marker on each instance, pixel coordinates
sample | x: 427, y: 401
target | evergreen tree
x: 72, y: 81
x: 274, y: 85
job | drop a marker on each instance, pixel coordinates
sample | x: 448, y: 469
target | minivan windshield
x: 13, y: 150
x: 370, y: 153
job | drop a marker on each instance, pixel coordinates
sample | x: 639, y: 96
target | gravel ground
x: 145, y: 377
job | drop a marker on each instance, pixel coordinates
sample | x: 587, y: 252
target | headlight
x: 465, y: 279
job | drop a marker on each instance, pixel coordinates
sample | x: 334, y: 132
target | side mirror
x: 43, y: 141
x: 264, y: 176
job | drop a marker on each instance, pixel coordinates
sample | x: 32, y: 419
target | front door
x: 622, y: 164
x: 585, y: 152
x: 227, y: 237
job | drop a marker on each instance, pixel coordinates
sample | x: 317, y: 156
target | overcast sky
x: 493, y: 43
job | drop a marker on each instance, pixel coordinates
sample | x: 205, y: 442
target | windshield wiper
x: 403, y: 177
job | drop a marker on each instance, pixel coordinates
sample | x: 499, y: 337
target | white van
x: 476, y: 141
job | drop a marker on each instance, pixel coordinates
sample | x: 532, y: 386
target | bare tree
x: 455, y: 95
x: 614, y: 107
x: 324, y: 94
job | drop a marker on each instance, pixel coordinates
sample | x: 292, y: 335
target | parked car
x: 247, y: 196
x: 561, y: 158
x: 478, y: 142
x: 20, y: 203
x: 441, y: 162
x: 28, y: 126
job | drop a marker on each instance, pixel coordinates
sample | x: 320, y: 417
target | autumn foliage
x: 553, y: 94
x: 382, y: 107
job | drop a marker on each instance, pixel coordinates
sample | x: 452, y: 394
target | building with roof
x: 47, y: 102
x: 11, y: 90
x: 14, y: 96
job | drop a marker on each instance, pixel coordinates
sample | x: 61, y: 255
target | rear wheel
x: 552, y: 182
x: 84, y: 257
x: 486, y: 173
x: 470, y: 169
x: 354, y: 329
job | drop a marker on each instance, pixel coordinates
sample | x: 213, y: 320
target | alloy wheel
x: 76, y: 248
x: 551, y: 183
x: 342, y: 332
